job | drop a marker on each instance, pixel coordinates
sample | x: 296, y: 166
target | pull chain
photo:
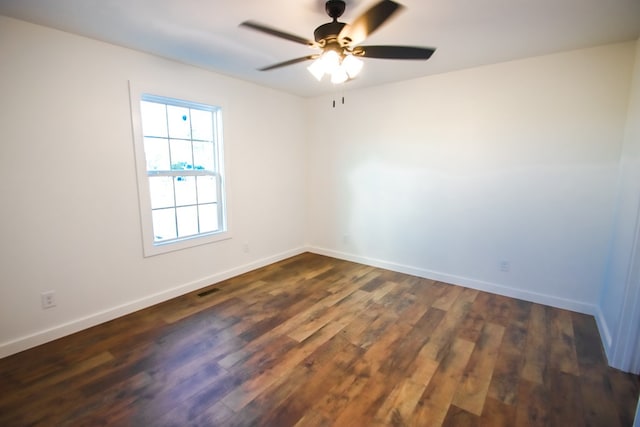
x: 334, y: 101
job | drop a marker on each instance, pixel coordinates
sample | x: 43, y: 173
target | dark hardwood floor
x: 314, y: 341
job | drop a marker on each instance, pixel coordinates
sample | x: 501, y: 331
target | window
x: 180, y: 179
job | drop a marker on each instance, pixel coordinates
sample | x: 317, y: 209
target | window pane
x: 154, y: 119
x: 179, y: 122
x: 164, y: 224
x: 185, y: 190
x: 203, y: 155
x: 207, y: 191
x: 156, y: 151
x: 161, y: 191
x: 208, y: 218
x: 181, y: 156
x: 187, y: 221
x: 202, y: 125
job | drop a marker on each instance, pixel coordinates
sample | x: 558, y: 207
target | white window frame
x: 150, y: 246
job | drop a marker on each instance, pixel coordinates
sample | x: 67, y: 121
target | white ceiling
x: 467, y: 33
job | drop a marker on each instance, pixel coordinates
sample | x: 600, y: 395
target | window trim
x: 150, y: 247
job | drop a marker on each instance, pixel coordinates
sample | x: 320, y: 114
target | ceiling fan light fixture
x: 352, y: 65
x: 339, y: 75
x: 317, y: 69
x: 331, y: 61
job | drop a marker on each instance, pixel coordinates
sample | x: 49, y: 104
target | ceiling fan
x: 339, y: 43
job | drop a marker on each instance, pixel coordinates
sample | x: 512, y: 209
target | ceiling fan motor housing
x: 326, y: 33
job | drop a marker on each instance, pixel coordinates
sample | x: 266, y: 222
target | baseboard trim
x: 605, y: 333
x: 551, y: 300
x: 28, y: 341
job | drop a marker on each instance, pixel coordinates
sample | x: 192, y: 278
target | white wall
x: 622, y: 283
x: 69, y: 216
x: 449, y: 175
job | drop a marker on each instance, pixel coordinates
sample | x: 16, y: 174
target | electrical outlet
x: 48, y: 299
x: 505, y: 266
x: 245, y: 248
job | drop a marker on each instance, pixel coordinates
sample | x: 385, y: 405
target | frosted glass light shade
x: 352, y: 65
x: 339, y: 75
x: 331, y: 61
x: 317, y: 68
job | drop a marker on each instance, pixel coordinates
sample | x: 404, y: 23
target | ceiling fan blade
x: 289, y: 62
x: 394, y: 52
x: 277, y: 33
x: 368, y: 22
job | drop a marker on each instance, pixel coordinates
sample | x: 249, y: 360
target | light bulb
x: 352, y: 65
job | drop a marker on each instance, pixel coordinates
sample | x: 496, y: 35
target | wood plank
x: 532, y: 405
x: 262, y: 370
x: 31, y: 393
x: 597, y: 411
x: 364, y: 403
x: 404, y: 351
x: 565, y: 400
x: 563, y: 352
x: 624, y: 388
x: 314, y: 323
x: 509, y: 364
x: 400, y: 403
x: 497, y: 414
x: 447, y: 297
x: 457, y: 417
x: 184, y: 412
x: 319, y: 372
x: 422, y: 300
x: 423, y: 368
x: 441, y: 340
x: 196, y: 305
x: 314, y: 419
x: 434, y: 403
x: 499, y: 309
x: 338, y: 397
x: 474, y: 321
x: 368, y: 326
x: 589, y: 351
x: 536, y: 349
x: 472, y: 391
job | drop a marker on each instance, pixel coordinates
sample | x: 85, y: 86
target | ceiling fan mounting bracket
x: 335, y: 9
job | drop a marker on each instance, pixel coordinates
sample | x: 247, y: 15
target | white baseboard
x: 605, y: 333
x: 25, y: 342
x: 531, y: 296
